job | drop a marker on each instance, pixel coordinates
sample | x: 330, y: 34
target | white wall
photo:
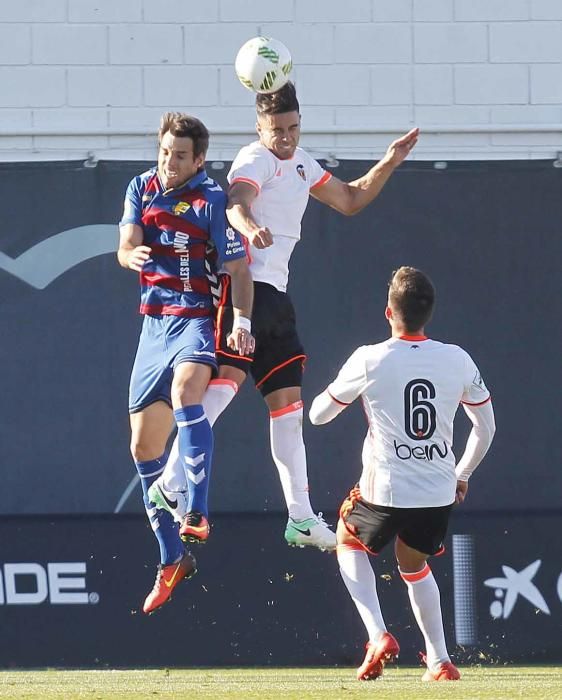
x: 482, y: 78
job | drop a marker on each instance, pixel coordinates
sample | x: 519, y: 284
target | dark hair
x: 411, y: 297
x: 184, y: 125
x: 278, y: 102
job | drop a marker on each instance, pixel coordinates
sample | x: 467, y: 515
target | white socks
x: 359, y: 578
x: 426, y: 604
x: 289, y: 455
x: 219, y: 394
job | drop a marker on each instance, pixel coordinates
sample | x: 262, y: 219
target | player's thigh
x: 409, y: 560
x: 191, y: 354
x: 373, y: 526
x: 150, y: 430
x: 190, y: 382
x: 151, y: 376
x: 279, y: 356
x: 191, y: 340
x: 232, y: 374
x: 424, y: 529
x: 344, y: 536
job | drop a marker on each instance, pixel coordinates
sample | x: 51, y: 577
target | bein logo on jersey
x: 427, y: 452
x: 30, y: 583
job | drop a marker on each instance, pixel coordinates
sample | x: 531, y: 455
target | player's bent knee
x: 140, y: 447
x: 409, y: 560
x: 144, y: 452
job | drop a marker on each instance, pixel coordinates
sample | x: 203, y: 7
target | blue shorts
x: 164, y: 343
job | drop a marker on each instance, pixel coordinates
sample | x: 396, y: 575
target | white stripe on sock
x: 145, y: 476
x: 185, y: 423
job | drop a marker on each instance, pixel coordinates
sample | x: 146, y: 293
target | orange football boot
x: 167, y: 578
x: 445, y: 671
x: 377, y: 656
x: 195, y: 528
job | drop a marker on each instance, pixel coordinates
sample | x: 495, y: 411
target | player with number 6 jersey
x: 410, y: 387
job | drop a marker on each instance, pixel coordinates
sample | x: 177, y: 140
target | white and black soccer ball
x: 263, y: 64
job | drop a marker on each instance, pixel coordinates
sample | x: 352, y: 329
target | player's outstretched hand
x: 399, y: 149
x: 462, y: 488
x: 261, y: 238
x: 241, y: 341
x: 138, y: 257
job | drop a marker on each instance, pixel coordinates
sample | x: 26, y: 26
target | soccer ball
x: 263, y: 65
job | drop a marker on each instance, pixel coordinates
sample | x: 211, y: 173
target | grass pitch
x: 479, y: 683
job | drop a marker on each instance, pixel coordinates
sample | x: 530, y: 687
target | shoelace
x: 320, y: 519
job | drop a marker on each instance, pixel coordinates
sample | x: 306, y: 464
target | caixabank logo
x: 529, y: 593
x: 52, y: 583
x: 517, y: 585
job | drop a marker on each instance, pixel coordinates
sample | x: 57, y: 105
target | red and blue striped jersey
x: 189, y: 236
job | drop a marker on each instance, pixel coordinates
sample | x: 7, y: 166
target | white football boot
x: 312, y: 532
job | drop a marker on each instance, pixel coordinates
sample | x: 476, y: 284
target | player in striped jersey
x: 271, y: 181
x: 410, y: 387
x: 175, y: 234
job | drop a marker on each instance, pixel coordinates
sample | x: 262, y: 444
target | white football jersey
x: 411, y: 388
x: 283, y: 188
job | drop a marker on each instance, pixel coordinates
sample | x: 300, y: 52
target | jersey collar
x: 198, y: 179
x: 415, y: 338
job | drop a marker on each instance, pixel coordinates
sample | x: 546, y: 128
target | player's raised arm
x: 351, y: 197
x: 239, y: 213
x: 478, y: 443
x: 132, y: 254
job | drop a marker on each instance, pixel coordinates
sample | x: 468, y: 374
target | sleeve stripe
x: 247, y: 181
x: 480, y: 403
x: 323, y: 180
x: 341, y: 403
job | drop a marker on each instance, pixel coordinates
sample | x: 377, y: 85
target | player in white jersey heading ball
x: 410, y: 387
x: 270, y: 183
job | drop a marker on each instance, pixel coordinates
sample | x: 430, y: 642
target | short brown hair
x: 278, y: 102
x: 411, y: 297
x: 184, y: 125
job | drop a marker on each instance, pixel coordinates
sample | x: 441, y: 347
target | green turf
x: 496, y: 683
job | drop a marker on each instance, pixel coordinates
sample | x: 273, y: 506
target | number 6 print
x: 419, y: 412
